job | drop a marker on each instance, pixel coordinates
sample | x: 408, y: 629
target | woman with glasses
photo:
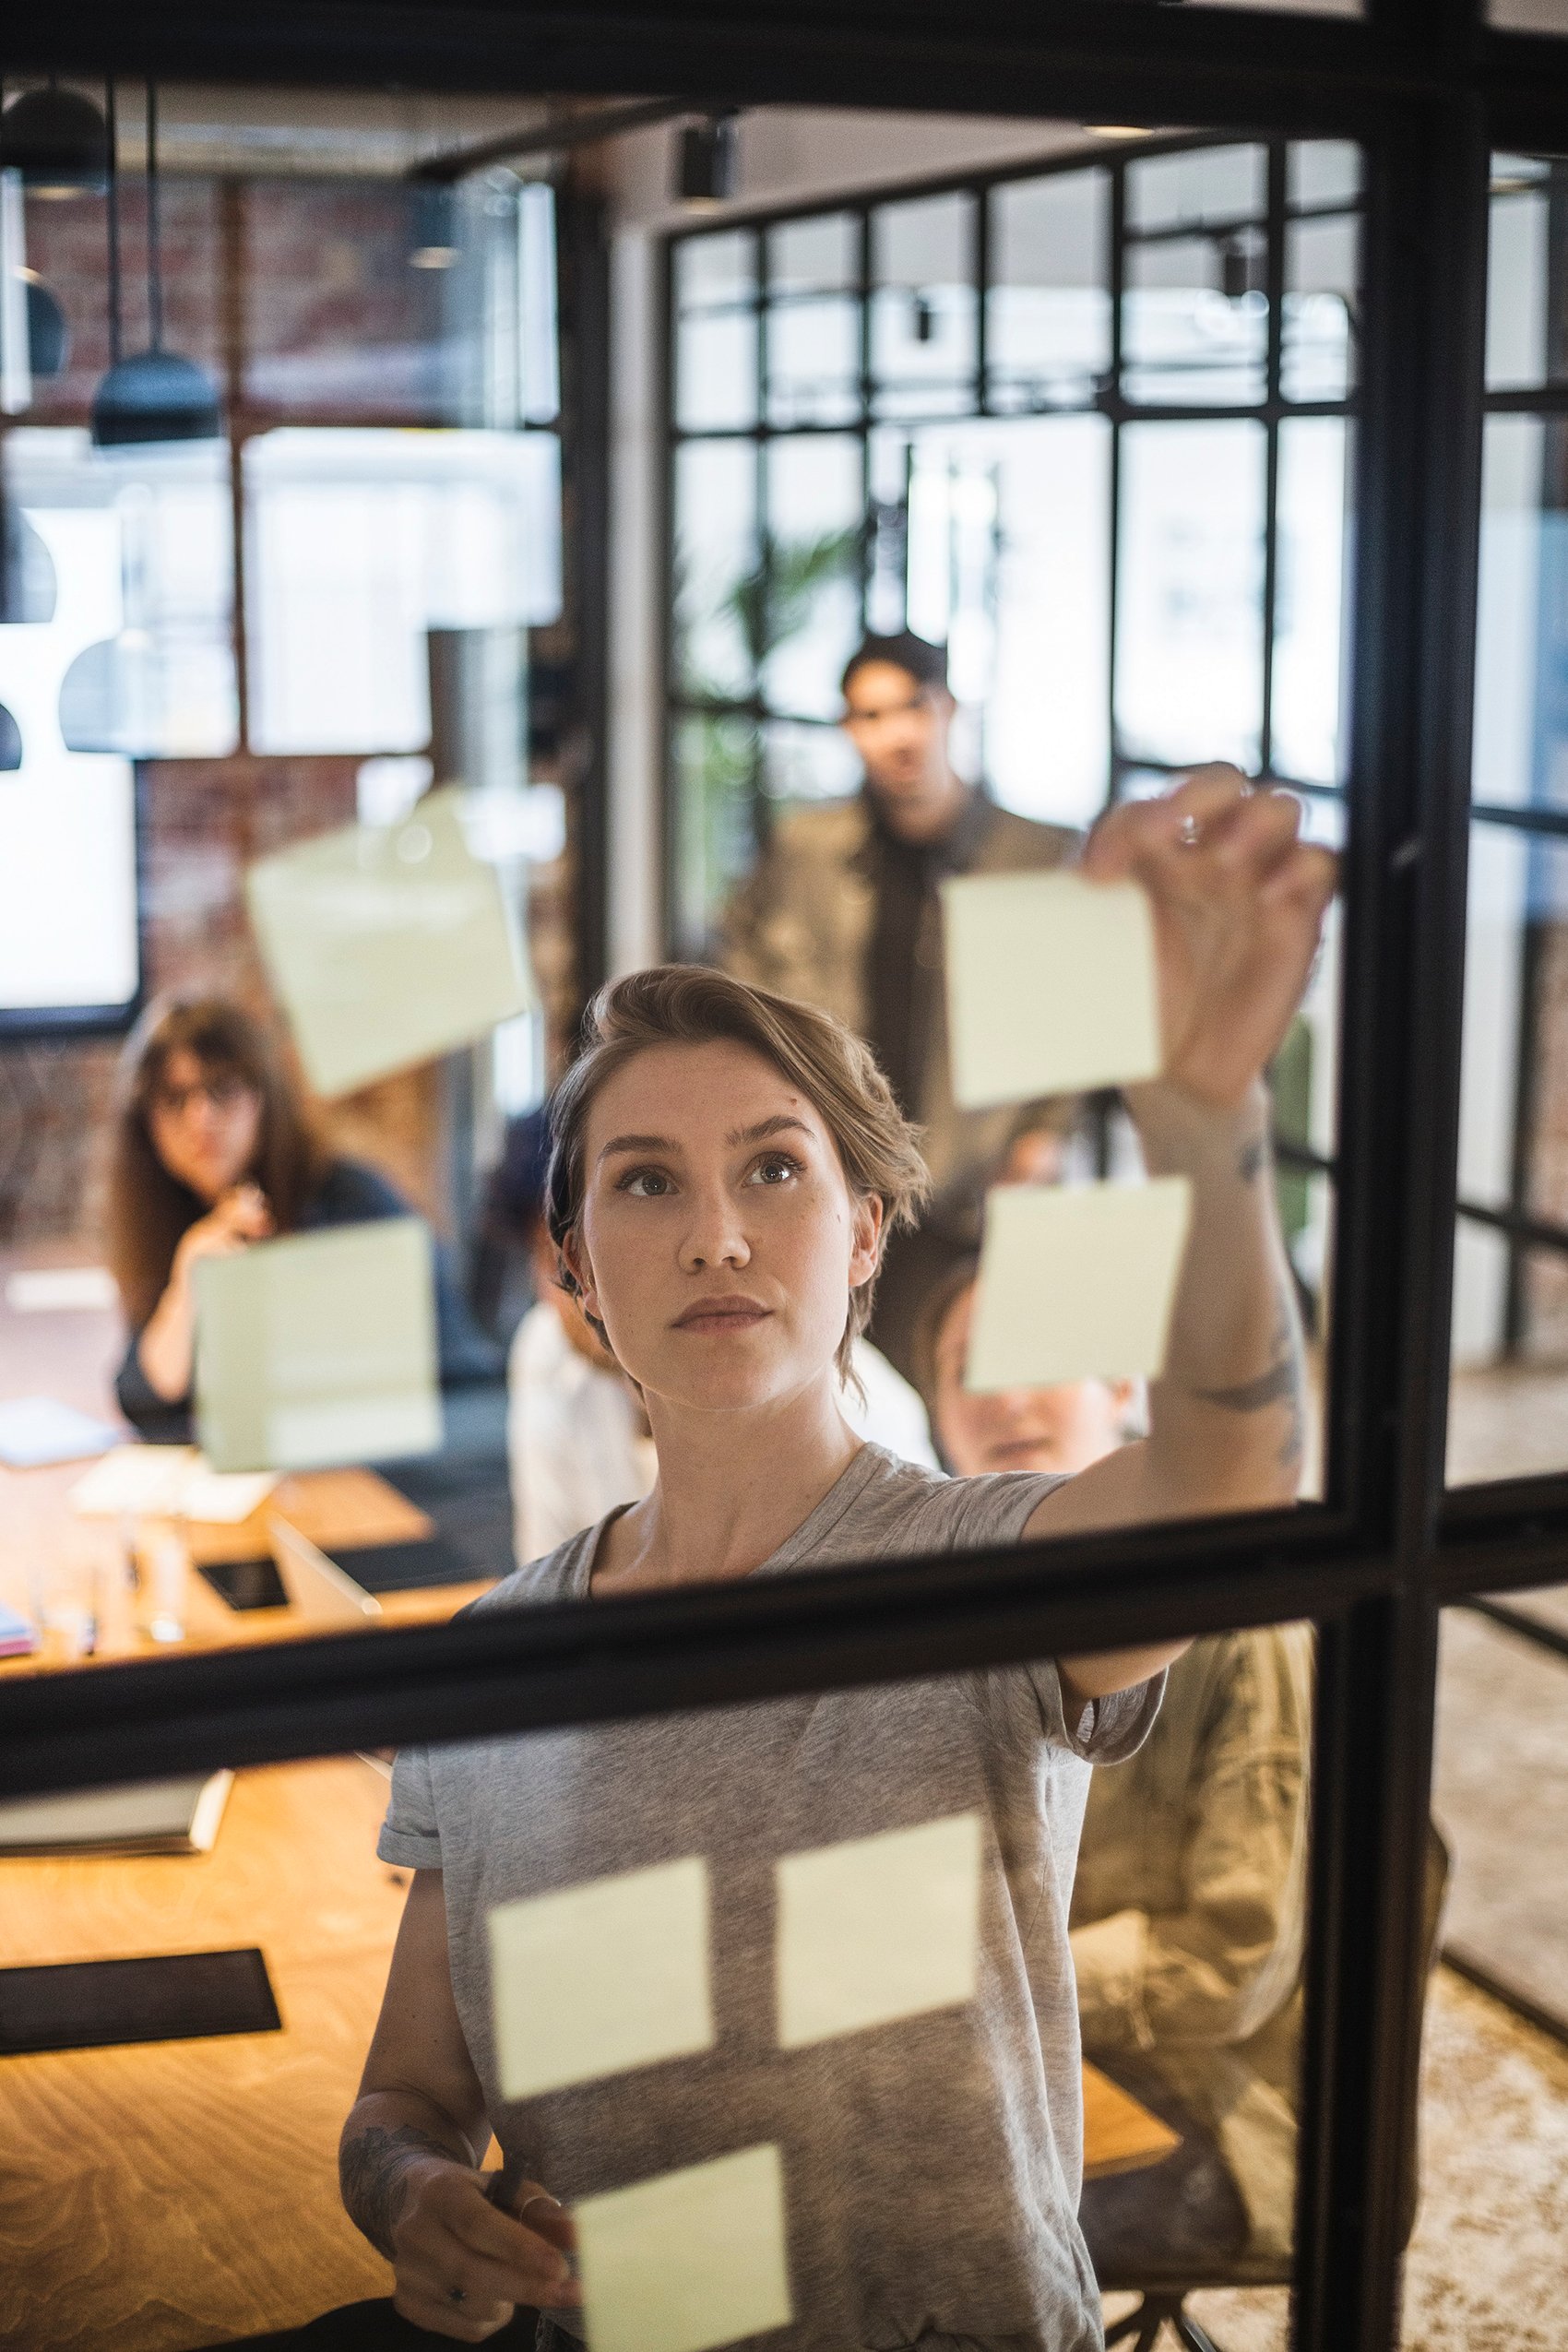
x: 215, y: 1148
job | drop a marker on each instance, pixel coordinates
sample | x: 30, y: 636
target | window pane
x: 1184, y: 337
x: 803, y: 763
x: 1322, y: 295
x: 924, y: 306
x: 1516, y: 757
x: 715, y: 620
x: 1510, y: 1331
x: 1517, y: 273
x: 811, y: 603
x: 1319, y: 172
x: 813, y: 321
x: 1049, y: 312
x: 716, y: 842
x: 1189, y: 680
x: 361, y: 543
x: 1309, y: 649
x: 1217, y: 185
x: 716, y: 355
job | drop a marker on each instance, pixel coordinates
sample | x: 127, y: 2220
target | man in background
x: 843, y: 910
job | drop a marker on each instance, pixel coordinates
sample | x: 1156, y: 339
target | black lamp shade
x: 707, y: 174
x: 11, y: 743
x: 154, y: 397
x: 27, y: 586
x: 58, y: 141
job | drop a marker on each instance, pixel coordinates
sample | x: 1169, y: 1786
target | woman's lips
x: 722, y: 1314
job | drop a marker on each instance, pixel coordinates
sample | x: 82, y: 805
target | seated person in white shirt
x: 578, y: 1441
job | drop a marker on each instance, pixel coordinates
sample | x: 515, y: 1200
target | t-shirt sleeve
x: 410, y: 1834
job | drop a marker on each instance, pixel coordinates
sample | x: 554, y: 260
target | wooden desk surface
x: 72, y: 1354
x: 163, y: 2196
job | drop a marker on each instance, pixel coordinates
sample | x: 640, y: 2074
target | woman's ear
x: 576, y: 1259
x: 865, y: 1252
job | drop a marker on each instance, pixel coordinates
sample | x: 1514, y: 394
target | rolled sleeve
x: 1103, y: 1732
x: 410, y: 1834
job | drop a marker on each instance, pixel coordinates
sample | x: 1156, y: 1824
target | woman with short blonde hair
x: 726, y: 1168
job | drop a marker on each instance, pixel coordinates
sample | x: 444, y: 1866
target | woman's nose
x: 715, y: 1235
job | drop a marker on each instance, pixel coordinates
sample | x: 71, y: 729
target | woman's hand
x: 1238, y: 900
x: 237, y: 1218
x: 462, y: 2265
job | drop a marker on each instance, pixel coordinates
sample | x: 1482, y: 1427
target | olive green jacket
x: 803, y: 923
x: 1189, y: 1908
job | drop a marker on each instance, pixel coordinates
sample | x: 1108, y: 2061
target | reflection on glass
x: 923, y: 309
x: 805, y: 763
x: 716, y: 338
x: 808, y: 616
x: 812, y: 328
x: 1211, y: 186
x: 716, y: 556
x: 1321, y: 290
x: 1309, y: 598
x: 1521, y: 730
x: 1048, y: 322
x: 1189, y: 602
x: 1195, y: 320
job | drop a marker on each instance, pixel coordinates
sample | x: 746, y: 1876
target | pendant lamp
x: 154, y: 397
x: 57, y: 141
x: 11, y: 743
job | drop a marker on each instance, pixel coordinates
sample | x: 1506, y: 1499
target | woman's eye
x: 646, y: 1184
x: 776, y: 1169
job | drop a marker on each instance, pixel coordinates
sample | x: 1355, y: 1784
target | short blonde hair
x: 689, y: 1005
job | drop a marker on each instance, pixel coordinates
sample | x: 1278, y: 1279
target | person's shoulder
x: 349, y: 1189
x: 1015, y: 844
x: 905, y: 1508
x: 823, y: 832
x: 561, y: 1575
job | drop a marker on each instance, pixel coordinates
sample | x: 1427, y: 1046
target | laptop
x: 318, y: 1589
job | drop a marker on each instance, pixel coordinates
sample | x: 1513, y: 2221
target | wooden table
x: 71, y: 1355
x: 163, y: 2196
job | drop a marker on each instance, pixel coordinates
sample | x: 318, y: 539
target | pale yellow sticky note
x: 1051, y: 986
x: 386, y: 945
x: 688, y: 2259
x: 136, y: 1481
x: 593, y: 1979
x: 877, y: 1929
x: 319, y: 1348
x: 1077, y: 1282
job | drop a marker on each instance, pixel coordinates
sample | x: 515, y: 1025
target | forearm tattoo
x: 372, y: 2172
x: 1281, y: 1382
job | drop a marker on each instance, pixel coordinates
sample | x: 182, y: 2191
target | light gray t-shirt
x: 933, y: 2165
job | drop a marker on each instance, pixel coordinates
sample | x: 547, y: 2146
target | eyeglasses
x: 222, y: 1092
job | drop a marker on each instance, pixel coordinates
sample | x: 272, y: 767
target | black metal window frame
x: 1430, y: 91
x: 1108, y: 399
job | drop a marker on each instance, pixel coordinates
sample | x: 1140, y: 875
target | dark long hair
x: 148, y: 1209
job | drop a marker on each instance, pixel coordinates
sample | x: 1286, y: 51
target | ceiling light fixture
x: 155, y: 395
x: 58, y: 141
x: 706, y: 162
x: 1116, y: 130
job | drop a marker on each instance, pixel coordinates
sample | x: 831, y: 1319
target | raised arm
x: 410, y: 2151
x: 1238, y: 901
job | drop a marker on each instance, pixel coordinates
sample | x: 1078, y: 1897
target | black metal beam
x: 583, y: 235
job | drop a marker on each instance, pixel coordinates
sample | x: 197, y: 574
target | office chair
x: 1162, y: 2301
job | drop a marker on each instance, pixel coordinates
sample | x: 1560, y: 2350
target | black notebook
x: 181, y: 1996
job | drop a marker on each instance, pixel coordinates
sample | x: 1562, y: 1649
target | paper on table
x: 593, y: 1979
x: 386, y: 945
x: 35, y: 1430
x: 167, y: 1483
x: 136, y: 1482
x: 687, y: 2260
x: 53, y: 1290
x: 1051, y: 986
x: 1077, y: 1282
x: 877, y: 1928
x: 318, y: 1348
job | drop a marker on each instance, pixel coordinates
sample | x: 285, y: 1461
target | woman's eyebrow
x: 636, y: 1142
x: 782, y: 1125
